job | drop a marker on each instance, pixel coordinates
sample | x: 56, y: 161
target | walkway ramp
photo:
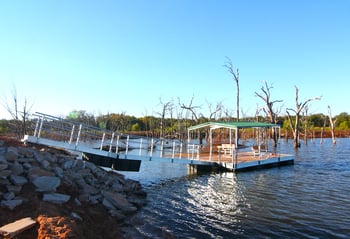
x: 123, y: 152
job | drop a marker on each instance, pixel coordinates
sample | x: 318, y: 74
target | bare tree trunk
x: 268, y: 109
x: 297, y: 111
x: 235, y: 76
x: 322, y: 131
x: 332, y: 123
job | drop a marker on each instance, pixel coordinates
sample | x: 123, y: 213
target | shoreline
x: 68, y: 198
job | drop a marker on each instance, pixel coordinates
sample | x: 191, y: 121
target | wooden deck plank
x: 12, y: 229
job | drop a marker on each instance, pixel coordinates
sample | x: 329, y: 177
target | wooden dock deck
x: 243, y: 160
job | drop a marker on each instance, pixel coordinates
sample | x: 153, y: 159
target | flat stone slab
x: 12, y: 229
x: 46, y: 183
x: 57, y: 198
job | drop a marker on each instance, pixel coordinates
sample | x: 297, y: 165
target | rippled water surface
x: 310, y: 199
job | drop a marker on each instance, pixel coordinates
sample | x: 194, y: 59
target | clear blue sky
x: 124, y: 56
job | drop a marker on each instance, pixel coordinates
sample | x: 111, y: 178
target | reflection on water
x: 309, y: 199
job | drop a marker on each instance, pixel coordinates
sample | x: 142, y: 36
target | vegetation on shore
x: 313, y: 126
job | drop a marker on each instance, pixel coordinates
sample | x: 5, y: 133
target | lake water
x: 310, y: 199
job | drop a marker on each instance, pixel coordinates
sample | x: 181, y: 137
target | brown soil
x: 56, y: 221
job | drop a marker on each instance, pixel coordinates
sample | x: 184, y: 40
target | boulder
x: 18, y: 180
x: 46, y: 183
x: 9, y: 196
x: 12, y: 154
x: 11, y: 204
x: 5, y: 173
x: 120, y: 202
x: 57, y: 198
x: 26, y: 152
x: 3, y: 166
x: 16, y: 168
x: 14, y: 188
x: 37, y: 172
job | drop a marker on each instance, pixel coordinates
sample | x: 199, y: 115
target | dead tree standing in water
x: 268, y: 109
x: 235, y: 76
x: 332, y: 123
x: 298, y: 109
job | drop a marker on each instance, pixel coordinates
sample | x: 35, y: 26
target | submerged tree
x: 269, y: 108
x: 235, y: 76
x: 167, y: 107
x: 299, y: 106
x: 332, y: 123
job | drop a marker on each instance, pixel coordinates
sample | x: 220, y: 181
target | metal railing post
x: 117, y: 145
x: 152, y: 145
x: 180, y: 151
x: 173, y: 155
x: 161, y: 148
x: 41, y: 126
x: 36, y: 127
x: 111, y: 143
x: 71, y: 134
x: 127, y: 145
x: 103, y: 139
x: 140, y: 146
x: 78, y: 137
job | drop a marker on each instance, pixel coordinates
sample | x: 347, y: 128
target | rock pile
x: 48, y: 169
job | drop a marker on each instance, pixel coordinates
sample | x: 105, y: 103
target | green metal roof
x: 233, y: 125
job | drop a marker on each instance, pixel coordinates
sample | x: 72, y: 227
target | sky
x: 133, y: 56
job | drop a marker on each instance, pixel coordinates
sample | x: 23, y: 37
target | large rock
x: 3, y: 166
x: 46, y: 183
x: 11, y: 154
x: 26, y: 152
x: 5, y: 173
x: 120, y: 202
x: 57, y: 198
x: 38, y: 172
x: 18, y: 180
x: 11, y: 204
x: 16, y: 168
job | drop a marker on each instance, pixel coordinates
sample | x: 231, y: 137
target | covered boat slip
x: 230, y: 153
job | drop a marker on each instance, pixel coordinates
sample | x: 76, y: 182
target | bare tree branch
x: 235, y: 76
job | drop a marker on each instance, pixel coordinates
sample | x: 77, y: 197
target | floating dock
x: 125, y: 153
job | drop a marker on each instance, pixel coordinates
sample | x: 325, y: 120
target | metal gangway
x: 89, y: 140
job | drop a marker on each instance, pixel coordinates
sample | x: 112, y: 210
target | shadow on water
x: 309, y: 199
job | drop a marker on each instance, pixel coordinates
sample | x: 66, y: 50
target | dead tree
x: 166, y: 107
x: 269, y: 108
x: 192, y: 109
x: 19, y: 117
x: 332, y: 123
x: 298, y: 109
x: 235, y: 76
x: 216, y: 111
